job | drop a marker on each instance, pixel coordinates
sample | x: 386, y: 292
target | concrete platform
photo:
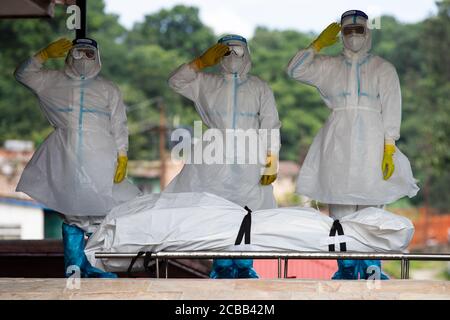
x: 199, y: 289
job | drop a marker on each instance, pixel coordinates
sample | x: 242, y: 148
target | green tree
x: 428, y: 121
x: 179, y: 28
x: 300, y: 107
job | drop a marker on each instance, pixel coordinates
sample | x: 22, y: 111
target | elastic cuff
x: 196, y: 65
x: 40, y: 57
x: 389, y: 141
x: 389, y: 149
x: 274, y: 151
x: 314, y: 45
x: 122, y: 153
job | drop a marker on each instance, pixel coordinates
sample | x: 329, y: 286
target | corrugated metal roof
x: 26, y: 8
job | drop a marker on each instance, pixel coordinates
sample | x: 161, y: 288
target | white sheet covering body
x: 203, y: 221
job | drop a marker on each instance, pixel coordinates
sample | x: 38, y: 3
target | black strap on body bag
x: 245, y: 228
x: 337, y: 227
x: 147, y: 258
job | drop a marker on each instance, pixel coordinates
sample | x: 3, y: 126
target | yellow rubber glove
x: 327, y: 38
x: 121, y: 169
x: 55, y: 49
x: 270, y: 173
x: 387, y: 167
x: 211, y: 56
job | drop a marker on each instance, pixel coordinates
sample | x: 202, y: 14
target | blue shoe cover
x: 245, y: 269
x: 347, y: 270
x: 371, y: 270
x: 357, y: 269
x: 73, y: 240
x: 233, y: 269
x: 223, y: 269
x: 247, y: 273
x: 243, y: 263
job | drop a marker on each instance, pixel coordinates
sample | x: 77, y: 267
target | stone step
x: 202, y: 289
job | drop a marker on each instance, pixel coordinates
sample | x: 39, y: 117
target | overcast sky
x: 242, y: 16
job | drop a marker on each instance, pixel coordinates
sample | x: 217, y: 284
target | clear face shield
x: 234, y: 59
x: 354, y: 36
x: 84, y: 60
x: 356, y: 29
x: 83, y: 51
x: 237, y: 57
x: 236, y: 50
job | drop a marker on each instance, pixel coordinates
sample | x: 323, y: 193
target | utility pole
x: 426, y: 221
x: 81, y: 33
x: 426, y: 192
x: 162, y: 143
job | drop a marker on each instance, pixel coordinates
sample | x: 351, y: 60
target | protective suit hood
x: 83, y: 68
x: 233, y: 64
x: 348, y: 19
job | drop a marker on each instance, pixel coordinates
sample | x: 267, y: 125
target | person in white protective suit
x: 79, y: 170
x: 230, y: 100
x: 353, y: 162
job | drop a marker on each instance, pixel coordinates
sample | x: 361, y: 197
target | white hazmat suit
x: 230, y: 100
x: 72, y: 171
x: 343, y: 165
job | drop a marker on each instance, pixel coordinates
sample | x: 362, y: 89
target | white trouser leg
x: 338, y: 211
x: 88, y: 223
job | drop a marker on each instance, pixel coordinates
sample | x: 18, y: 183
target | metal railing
x: 165, y: 256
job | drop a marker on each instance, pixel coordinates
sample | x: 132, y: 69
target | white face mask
x: 84, y: 66
x: 354, y: 42
x: 233, y: 63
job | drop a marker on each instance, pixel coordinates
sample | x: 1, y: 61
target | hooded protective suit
x: 230, y: 100
x: 72, y: 171
x: 343, y: 165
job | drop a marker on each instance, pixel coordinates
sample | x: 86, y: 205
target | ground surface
x: 198, y: 289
